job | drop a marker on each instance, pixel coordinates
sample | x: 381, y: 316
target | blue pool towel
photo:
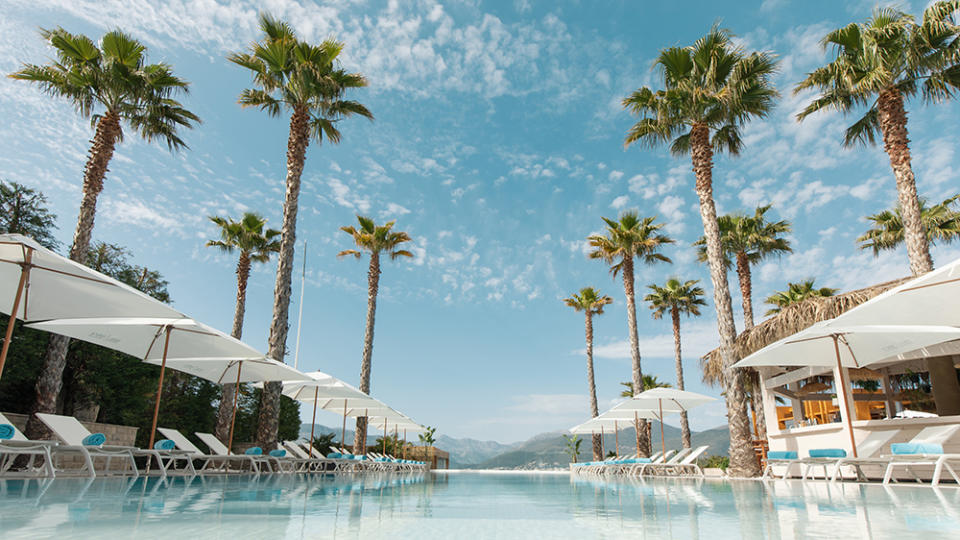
x: 254, y: 451
x: 334, y: 455
x: 916, y: 448
x: 828, y: 453
x: 94, y: 439
x: 781, y: 454
x: 278, y: 453
x: 6, y: 431
x: 164, y: 444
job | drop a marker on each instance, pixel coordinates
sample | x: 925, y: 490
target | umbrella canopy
x: 232, y: 371
x: 322, y: 388
x: 858, y: 345
x: 144, y: 337
x: 666, y: 399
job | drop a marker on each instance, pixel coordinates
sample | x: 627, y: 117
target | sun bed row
x: 925, y: 449
x: 672, y: 463
x: 174, y: 453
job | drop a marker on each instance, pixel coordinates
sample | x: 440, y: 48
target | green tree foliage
x: 795, y: 293
x: 572, y: 447
x: 649, y: 381
x: 323, y: 443
x: 941, y: 223
x: 24, y: 211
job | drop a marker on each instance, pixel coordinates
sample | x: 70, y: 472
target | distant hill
x: 543, y: 451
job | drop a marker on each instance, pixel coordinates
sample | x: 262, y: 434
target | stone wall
x: 116, y: 435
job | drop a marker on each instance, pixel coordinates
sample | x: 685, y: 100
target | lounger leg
x: 937, y: 471
x: 888, y: 474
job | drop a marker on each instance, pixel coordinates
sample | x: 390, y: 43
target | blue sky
x: 497, y: 145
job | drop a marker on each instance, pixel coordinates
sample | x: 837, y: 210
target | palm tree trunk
x: 50, y: 380
x: 746, y: 292
x: 684, y: 422
x: 594, y: 411
x: 225, y: 410
x: 642, y: 427
x: 373, y: 285
x: 742, y: 460
x: 893, y: 124
x: 297, y: 142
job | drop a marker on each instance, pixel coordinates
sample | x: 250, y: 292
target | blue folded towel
x: 278, y: 453
x: 6, y: 431
x: 164, y: 444
x: 828, y: 453
x: 360, y: 458
x: 781, y: 454
x: 254, y: 451
x: 334, y: 455
x: 94, y: 439
x: 916, y: 448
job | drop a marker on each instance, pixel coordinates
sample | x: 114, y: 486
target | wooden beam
x: 795, y: 375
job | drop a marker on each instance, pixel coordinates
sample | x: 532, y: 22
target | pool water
x: 468, y: 505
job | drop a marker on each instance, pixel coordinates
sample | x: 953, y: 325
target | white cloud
x: 620, y: 202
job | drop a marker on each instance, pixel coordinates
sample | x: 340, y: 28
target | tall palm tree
x: 796, y: 293
x: 677, y: 297
x: 591, y: 303
x: 624, y: 240
x: 307, y: 81
x: 748, y: 240
x: 375, y: 240
x: 254, y: 243
x: 649, y: 381
x: 711, y: 90
x: 878, y: 65
x: 940, y: 222
x: 112, y: 84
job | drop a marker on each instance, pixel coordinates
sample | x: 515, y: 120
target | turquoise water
x: 468, y: 505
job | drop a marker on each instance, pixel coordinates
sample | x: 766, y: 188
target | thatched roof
x: 789, y: 321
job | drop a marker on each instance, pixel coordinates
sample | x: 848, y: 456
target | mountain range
x: 546, y: 450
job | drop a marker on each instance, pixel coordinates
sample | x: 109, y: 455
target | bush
x: 714, y: 462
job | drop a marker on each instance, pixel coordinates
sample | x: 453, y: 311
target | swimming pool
x: 468, y: 505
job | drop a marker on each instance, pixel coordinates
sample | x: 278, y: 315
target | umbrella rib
x: 54, y: 270
x: 849, y: 348
x: 924, y: 286
x: 153, y: 342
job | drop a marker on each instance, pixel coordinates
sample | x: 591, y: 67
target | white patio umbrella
x: 660, y: 401
x: 37, y: 284
x: 321, y: 387
x: 828, y: 344
x: 613, y: 423
x: 158, y: 340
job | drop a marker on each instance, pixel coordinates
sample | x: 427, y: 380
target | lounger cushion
x: 916, y: 448
x: 278, y: 453
x: 334, y: 455
x: 781, y: 454
x: 94, y: 439
x: 164, y: 444
x: 254, y: 451
x: 6, y: 431
x: 828, y: 453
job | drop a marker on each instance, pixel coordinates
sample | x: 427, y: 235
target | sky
x: 498, y: 146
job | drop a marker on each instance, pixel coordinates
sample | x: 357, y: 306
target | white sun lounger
x: 930, y: 434
x: 19, y: 445
x: 209, y: 460
x: 687, y: 463
x: 870, y: 447
x: 317, y: 463
x: 642, y: 468
x: 69, y: 430
x: 219, y: 450
x: 930, y: 441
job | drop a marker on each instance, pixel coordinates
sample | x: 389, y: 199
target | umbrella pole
x: 24, y: 275
x: 616, y: 438
x: 156, y: 405
x: 313, y: 423
x: 236, y: 399
x: 846, y: 397
x: 343, y: 432
x: 663, y: 441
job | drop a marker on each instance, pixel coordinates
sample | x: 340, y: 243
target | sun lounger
x: 687, y: 463
x: 209, y: 460
x: 317, y: 463
x: 671, y: 459
x: 871, y: 446
x: 927, y: 451
x: 18, y: 445
x: 788, y: 458
x: 928, y: 435
x: 219, y: 450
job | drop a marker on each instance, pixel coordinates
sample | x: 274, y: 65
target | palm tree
x: 677, y: 297
x: 591, y: 303
x: 306, y: 80
x: 628, y: 238
x: 649, y: 381
x: 940, y: 222
x: 711, y: 89
x: 796, y: 293
x: 111, y: 83
x: 747, y: 240
x: 374, y: 240
x: 879, y: 64
x: 255, y: 244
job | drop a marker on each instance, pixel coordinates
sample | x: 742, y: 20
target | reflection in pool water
x: 468, y: 505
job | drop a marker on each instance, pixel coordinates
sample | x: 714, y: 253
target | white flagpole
x: 303, y: 283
